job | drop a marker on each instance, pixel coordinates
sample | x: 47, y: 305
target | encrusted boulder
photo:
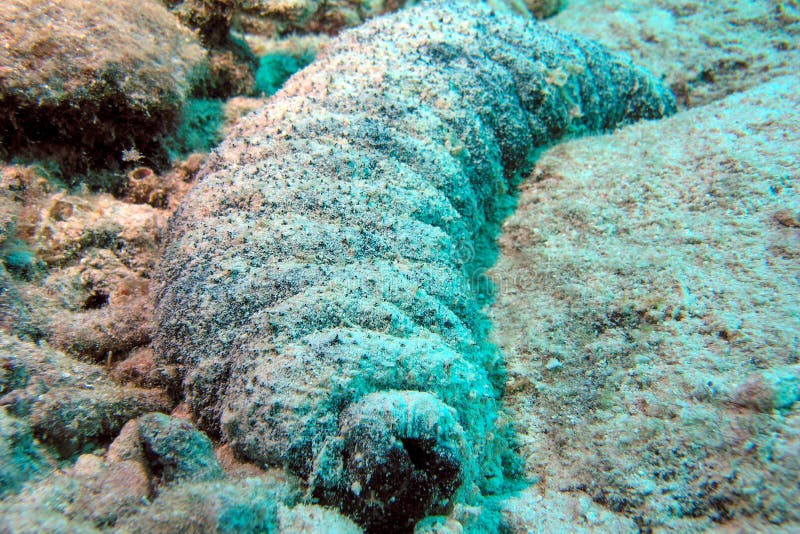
x: 81, y: 81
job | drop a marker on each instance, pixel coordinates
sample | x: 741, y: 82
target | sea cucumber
x: 315, y: 291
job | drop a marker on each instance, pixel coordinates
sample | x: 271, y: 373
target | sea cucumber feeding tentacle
x: 315, y: 293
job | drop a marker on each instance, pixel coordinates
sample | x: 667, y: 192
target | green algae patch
x: 274, y: 69
x: 199, y: 130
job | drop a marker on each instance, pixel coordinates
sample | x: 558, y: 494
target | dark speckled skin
x: 322, y: 258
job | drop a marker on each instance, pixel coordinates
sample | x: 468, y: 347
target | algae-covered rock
x: 437, y: 524
x: 280, y: 17
x: 81, y: 81
x: 211, y: 18
x: 159, y: 475
x: 535, y: 510
x: 89, y: 496
x: 313, y: 519
x: 176, y: 450
x: 16, y: 315
x: 650, y: 263
x: 69, y: 404
x: 326, y: 258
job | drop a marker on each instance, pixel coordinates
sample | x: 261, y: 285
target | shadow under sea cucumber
x: 314, y: 292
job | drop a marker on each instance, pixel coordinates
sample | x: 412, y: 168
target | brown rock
x: 81, y: 81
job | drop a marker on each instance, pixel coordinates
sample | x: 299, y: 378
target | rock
x: 70, y: 405
x: 79, y: 263
x: 327, y: 253
x: 777, y: 388
x: 650, y: 264
x: 313, y: 519
x: 542, y: 9
x: 82, y: 81
x: 532, y: 510
x: 176, y: 451
x: 246, y: 506
x: 438, y: 525
x: 703, y: 50
x: 86, y: 497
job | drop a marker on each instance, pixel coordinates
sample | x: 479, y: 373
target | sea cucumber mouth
x: 399, y: 457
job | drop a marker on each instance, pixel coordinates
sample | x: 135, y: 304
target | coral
x: 325, y: 256
x: 650, y: 264
x: 81, y: 81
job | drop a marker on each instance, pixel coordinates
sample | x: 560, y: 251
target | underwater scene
x: 396, y: 266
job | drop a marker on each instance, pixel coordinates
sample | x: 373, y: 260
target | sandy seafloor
x: 646, y: 292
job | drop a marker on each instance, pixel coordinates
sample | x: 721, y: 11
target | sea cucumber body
x: 324, y: 267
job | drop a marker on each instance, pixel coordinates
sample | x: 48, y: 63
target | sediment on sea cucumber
x: 315, y: 291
